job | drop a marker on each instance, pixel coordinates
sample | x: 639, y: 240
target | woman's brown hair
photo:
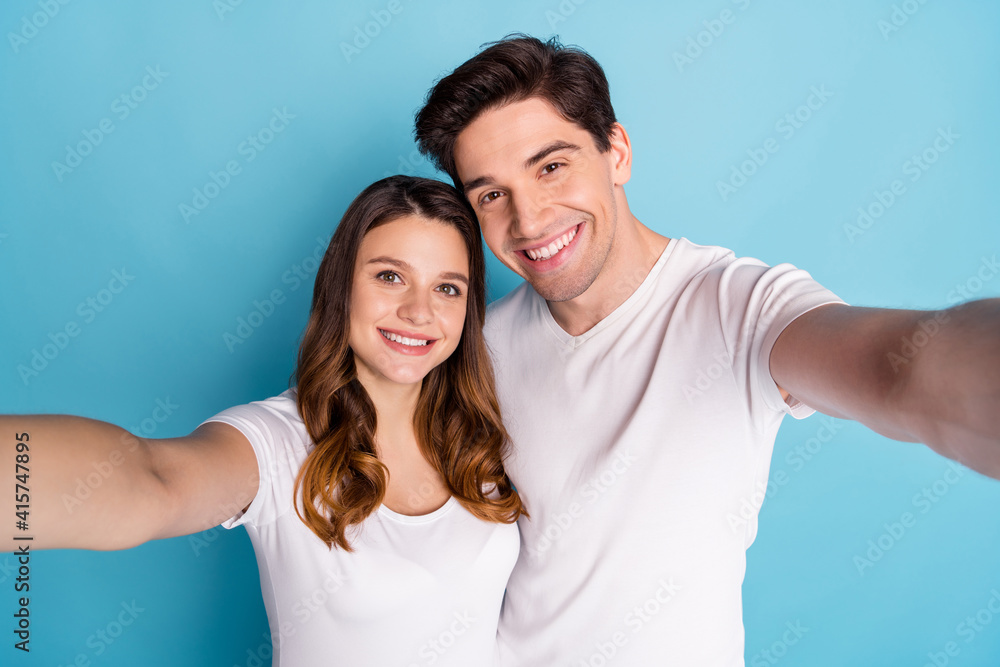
x: 457, y: 422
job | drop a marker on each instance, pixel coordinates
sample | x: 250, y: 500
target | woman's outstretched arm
x: 85, y: 484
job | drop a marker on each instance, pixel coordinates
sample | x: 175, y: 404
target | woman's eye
x: 450, y: 290
x: 388, y: 277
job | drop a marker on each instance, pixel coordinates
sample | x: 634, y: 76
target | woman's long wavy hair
x: 457, y: 422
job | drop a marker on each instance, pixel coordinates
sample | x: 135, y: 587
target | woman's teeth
x: 396, y: 338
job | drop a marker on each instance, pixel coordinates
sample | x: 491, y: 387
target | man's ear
x: 620, y: 155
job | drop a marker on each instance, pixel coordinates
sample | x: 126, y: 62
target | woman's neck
x: 395, y: 406
x: 415, y: 484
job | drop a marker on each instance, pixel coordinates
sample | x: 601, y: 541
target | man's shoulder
x: 696, y: 264
x: 693, y: 258
x: 514, y: 312
x: 688, y: 266
x: 511, y: 304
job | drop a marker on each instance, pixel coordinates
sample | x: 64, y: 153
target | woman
x: 373, y: 492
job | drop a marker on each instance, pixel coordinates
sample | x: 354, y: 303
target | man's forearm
x: 949, y: 394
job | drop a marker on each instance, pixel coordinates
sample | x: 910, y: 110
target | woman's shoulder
x: 273, y: 422
x: 284, y: 405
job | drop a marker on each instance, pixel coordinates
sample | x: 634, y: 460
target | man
x: 643, y: 378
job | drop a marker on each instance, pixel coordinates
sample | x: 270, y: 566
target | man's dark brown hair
x: 516, y: 68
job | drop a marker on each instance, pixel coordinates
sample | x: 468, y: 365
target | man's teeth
x: 396, y: 338
x: 551, y: 249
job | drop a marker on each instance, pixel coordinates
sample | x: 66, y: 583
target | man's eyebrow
x: 400, y: 264
x: 528, y: 164
x: 548, y: 150
x: 477, y: 182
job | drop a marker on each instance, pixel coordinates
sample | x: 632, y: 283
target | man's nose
x: 533, y: 214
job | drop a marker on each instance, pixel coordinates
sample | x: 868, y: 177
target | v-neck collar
x: 574, y: 342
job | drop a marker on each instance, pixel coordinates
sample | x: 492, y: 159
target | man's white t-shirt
x: 416, y: 590
x: 638, y: 447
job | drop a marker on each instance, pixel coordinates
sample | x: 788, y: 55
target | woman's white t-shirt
x: 416, y: 590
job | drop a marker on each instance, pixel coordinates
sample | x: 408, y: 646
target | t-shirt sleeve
x: 756, y: 303
x: 280, y: 442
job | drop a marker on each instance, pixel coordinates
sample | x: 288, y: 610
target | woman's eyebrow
x: 451, y: 275
x: 392, y: 261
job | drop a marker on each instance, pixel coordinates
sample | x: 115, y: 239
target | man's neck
x: 633, y: 253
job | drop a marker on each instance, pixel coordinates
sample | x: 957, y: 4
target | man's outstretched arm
x: 919, y: 376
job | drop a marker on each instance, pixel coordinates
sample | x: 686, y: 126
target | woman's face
x: 408, y: 302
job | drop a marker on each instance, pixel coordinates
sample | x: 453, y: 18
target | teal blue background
x: 162, y: 337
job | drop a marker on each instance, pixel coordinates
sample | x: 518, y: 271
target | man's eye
x: 450, y: 290
x: 489, y: 196
x: 549, y: 168
x: 388, y: 276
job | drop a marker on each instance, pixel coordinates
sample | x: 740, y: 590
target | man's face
x: 544, y: 194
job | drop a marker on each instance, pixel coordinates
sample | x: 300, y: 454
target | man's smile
x: 547, y: 256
